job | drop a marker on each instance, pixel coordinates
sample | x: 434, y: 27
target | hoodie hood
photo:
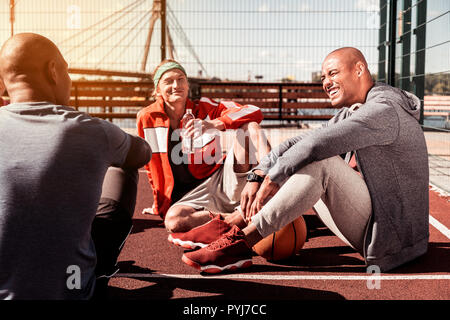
x: 408, y: 101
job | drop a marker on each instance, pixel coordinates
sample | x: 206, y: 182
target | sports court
x: 267, y: 53
x: 326, y: 268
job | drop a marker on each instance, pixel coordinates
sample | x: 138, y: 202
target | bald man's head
x: 348, y: 55
x: 26, y: 53
x: 346, y: 77
x: 32, y: 67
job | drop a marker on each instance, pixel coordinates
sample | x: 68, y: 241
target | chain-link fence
x: 406, y: 42
x: 256, y: 40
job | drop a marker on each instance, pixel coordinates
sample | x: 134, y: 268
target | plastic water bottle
x: 187, y: 143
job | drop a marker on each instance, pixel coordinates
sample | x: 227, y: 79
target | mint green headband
x: 166, y: 67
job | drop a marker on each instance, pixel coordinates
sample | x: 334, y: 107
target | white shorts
x: 221, y: 192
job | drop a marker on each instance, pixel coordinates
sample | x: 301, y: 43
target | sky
x: 233, y: 39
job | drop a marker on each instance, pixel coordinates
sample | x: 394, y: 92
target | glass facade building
x: 414, y: 53
x: 406, y: 42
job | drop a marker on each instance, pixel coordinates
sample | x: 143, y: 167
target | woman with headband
x: 192, y: 189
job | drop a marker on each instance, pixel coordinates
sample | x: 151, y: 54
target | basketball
x: 284, y: 243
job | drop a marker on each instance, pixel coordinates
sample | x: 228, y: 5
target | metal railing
x: 278, y: 101
x: 111, y: 99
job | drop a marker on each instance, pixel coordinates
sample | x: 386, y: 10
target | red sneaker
x: 230, y: 252
x: 201, y: 236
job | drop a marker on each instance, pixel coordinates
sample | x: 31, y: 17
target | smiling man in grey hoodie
x: 380, y: 209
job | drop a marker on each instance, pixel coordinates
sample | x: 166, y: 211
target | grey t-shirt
x: 52, y: 163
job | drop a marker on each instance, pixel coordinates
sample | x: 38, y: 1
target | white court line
x: 438, y: 190
x: 439, y: 226
x: 443, y: 229
x: 285, y: 277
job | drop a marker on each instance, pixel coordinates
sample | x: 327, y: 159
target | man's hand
x: 248, y: 195
x: 195, y: 127
x: 267, y: 190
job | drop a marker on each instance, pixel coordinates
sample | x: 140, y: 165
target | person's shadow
x: 209, y: 289
x: 141, y: 225
x: 436, y: 259
x: 340, y: 258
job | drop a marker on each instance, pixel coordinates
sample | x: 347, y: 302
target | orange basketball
x: 284, y: 243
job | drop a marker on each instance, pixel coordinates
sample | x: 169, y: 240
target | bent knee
x: 251, y: 127
x: 176, y: 219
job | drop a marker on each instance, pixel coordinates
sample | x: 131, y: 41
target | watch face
x: 252, y: 177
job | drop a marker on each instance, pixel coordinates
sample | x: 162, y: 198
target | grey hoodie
x: 392, y: 156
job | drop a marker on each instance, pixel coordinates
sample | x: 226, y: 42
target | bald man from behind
x: 68, y: 180
x: 379, y: 207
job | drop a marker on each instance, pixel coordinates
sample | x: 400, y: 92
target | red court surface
x: 326, y: 269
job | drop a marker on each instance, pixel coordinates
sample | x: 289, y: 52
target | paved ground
x: 438, y: 144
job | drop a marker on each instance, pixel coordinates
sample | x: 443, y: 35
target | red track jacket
x: 153, y: 125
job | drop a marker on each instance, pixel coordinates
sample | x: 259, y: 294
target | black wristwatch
x: 253, y: 177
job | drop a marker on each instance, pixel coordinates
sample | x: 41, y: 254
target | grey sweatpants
x: 338, y: 194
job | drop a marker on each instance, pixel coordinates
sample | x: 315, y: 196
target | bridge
x: 123, y: 98
x: 278, y: 101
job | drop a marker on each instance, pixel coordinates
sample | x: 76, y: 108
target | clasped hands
x: 255, y: 195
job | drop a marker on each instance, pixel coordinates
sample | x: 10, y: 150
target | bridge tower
x: 158, y: 12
